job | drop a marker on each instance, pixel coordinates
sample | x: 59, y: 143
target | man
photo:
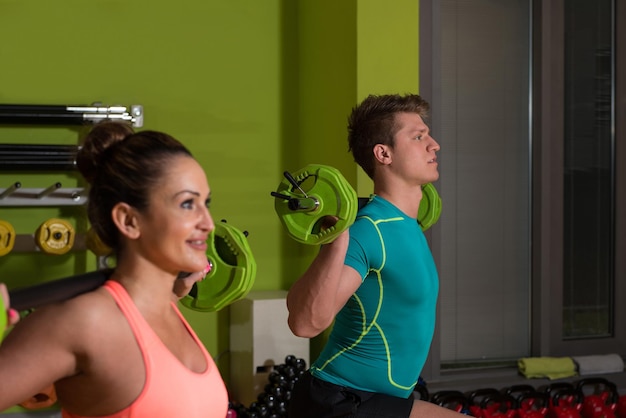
x: 377, y: 281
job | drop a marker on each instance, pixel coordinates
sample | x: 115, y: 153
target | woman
x: 125, y: 350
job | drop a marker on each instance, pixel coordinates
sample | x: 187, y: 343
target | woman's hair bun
x: 99, y: 138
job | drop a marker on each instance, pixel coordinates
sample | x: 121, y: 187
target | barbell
x: 231, y: 277
x: 304, y: 200
x: 233, y: 269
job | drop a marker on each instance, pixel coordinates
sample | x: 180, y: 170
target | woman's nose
x: 207, y: 221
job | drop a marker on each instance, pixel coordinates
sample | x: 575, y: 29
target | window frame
x: 547, y: 121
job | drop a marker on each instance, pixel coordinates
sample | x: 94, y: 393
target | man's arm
x: 316, y: 297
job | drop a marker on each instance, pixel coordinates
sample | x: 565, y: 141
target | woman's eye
x: 187, y: 204
x: 207, y: 203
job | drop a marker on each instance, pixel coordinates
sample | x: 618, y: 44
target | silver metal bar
x: 69, y: 115
x: 45, y: 192
x: 26, y: 197
x: 97, y: 109
x: 25, y: 243
x: 10, y: 189
x: 303, y: 204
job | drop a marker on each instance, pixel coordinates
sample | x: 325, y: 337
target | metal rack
x: 52, y: 196
x: 44, y: 157
x: 69, y: 115
x: 37, y: 157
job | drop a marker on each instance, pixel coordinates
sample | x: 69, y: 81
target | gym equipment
x: 566, y: 403
x: 232, y: 273
x: 489, y: 402
x: 529, y: 403
x: 600, y: 397
x: 518, y: 390
x: 532, y: 404
x: 69, y: 115
x: 95, y: 244
x: 51, y: 196
x: 3, y: 319
x: 37, y: 157
x: 26, y: 298
x: 621, y: 407
x: 556, y: 387
x: 55, y: 236
x: 274, y: 400
x: 430, y: 207
x: 7, y: 237
x: 307, y: 199
x: 451, y: 399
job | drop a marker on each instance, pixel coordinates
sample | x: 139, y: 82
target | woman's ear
x: 125, y: 218
x: 382, y: 154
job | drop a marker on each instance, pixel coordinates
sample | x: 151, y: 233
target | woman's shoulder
x: 80, y: 317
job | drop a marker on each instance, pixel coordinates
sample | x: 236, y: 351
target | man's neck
x: 407, y: 199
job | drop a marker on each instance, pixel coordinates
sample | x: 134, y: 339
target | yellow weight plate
x: 7, y: 237
x: 55, y: 236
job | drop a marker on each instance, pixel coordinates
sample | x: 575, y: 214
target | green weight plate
x: 430, y: 207
x: 334, y: 196
x: 232, y: 274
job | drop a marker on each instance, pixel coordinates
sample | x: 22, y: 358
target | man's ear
x: 382, y: 153
x: 125, y: 218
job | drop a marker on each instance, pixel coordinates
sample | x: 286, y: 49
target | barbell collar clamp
x: 281, y: 196
x: 299, y: 204
x: 294, y: 182
x: 303, y: 204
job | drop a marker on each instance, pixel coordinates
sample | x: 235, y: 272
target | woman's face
x: 177, y: 223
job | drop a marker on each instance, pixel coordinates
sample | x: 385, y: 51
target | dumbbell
x: 304, y: 199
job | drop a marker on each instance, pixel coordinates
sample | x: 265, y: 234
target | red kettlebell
x: 600, y: 397
x: 533, y: 405
x: 621, y: 407
x: 566, y: 403
x: 476, y: 399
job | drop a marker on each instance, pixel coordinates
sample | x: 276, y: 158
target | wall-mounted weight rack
x: 53, y: 196
x: 44, y: 157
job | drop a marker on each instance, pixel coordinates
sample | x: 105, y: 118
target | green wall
x: 252, y: 87
x: 208, y: 72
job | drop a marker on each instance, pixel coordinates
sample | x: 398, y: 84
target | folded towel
x: 550, y: 367
x: 598, y: 364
